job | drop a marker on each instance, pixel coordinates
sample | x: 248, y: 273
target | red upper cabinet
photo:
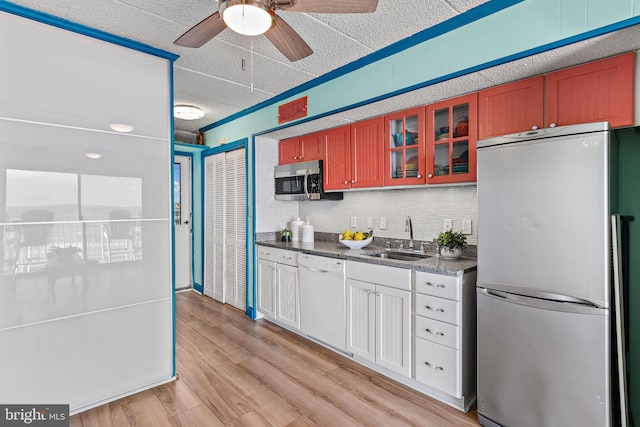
x: 311, y: 147
x: 353, y: 155
x: 337, y: 158
x: 510, y: 108
x: 367, y: 154
x: 289, y: 151
x: 404, y: 148
x: 595, y: 92
x: 301, y: 149
x: 451, y: 140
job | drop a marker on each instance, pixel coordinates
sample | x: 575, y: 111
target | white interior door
x: 182, y: 219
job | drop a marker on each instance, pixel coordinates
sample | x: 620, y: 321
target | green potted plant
x: 451, y: 243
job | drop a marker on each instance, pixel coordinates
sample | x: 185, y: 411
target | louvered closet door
x: 235, y: 230
x: 225, y: 228
x: 214, y: 226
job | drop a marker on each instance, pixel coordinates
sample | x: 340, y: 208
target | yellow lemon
x: 359, y: 236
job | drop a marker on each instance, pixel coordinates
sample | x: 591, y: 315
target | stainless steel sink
x: 402, y: 256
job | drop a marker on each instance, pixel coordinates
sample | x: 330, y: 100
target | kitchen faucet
x: 408, y: 226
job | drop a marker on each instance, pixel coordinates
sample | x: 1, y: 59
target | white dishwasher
x: 322, y: 299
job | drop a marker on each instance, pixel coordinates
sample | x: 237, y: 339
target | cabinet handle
x: 346, y: 182
x: 438, y: 333
x: 419, y: 176
x: 266, y: 253
x: 287, y: 257
x: 295, y: 157
x: 437, y: 310
x: 377, y: 294
x: 430, y: 175
x: 534, y: 127
x: 436, y: 367
x: 439, y: 285
x: 301, y: 157
x: 353, y: 181
x: 552, y: 125
x: 369, y: 292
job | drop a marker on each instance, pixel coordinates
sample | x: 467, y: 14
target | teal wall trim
x: 84, y: 30
x: 471, y: 15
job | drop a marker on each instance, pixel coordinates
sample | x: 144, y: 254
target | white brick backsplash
x: 427, y: 207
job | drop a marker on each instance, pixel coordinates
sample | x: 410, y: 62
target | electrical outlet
x: 354, y: 222
x: 383, y: 223
x: 466, y: 226
x: 447, y: 224
x: 369, y: 222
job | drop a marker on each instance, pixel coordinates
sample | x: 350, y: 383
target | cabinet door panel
x: 594, y: 92
x: 311, y: 147
x: 289, y: 151
x: 267, y: 288
x: 510, y: 108
x: 337, y: 158
x: 452, y: 131
x: 404, y: 148
x: 287, y: 296
x: 361, y: 319
x: 393, y: 329
x: 367, y: 153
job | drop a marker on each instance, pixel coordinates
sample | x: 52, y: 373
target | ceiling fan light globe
x: 247, y: 17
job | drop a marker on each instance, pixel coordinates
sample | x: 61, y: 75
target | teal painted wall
x: 629, y: 204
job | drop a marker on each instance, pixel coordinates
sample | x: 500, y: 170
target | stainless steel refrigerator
x: 544, y: 303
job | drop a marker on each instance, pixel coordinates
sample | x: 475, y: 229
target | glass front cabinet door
x: 405, y: 162
x: 451, y: 140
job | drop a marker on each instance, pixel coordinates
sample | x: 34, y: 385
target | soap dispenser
x: 295, y: 227
x: 307, y: 231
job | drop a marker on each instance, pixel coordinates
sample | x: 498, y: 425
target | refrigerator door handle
x: 583, y: 306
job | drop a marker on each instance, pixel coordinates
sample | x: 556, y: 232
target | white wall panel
x: 85, y: 243
x: 67, y: 78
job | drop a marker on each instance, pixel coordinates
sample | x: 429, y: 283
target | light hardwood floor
x: 239, y: 372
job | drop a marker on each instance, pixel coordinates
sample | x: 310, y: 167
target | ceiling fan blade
x: 332, y: 6
x: 204, y: 31
x: 287, y: 40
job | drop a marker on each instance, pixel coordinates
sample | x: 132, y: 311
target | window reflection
x: 59, y: 223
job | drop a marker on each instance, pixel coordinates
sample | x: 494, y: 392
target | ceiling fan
x: 253, y: 17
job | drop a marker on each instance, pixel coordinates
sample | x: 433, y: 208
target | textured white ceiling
x: 213, y: 77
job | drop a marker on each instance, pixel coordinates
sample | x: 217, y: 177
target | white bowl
x: 356, y: 244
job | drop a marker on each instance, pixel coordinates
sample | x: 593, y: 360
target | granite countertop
x: 433, y: 264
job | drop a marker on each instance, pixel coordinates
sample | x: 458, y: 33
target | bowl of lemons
x: 356, y: 239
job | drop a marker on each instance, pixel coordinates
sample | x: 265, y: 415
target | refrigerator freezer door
x: 539, y: 367
x: 543, y: 215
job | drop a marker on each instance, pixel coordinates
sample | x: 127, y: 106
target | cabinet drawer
x: 394, y: 277
x: 437, y: 366
x: 281, y: 256
x: 437, y: 308
x: 436, y: 331
x: 438, y: 285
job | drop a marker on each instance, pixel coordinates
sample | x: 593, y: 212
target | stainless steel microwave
x: 302, y: 181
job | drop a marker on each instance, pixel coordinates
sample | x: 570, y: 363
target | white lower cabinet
x: 278, y: 290
x: 379, y: 315
x: 445, y: 334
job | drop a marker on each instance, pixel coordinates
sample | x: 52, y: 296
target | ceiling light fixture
x: 120, y: 127
x: 247, y: 17
x: 187, y: 112
x: 94, y: 155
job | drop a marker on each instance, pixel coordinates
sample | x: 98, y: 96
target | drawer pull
x: 436, y: 367
x: 439, y: 285
x: 437, y: 310
x: 438, y: 333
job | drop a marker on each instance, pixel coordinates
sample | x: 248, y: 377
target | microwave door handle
x: 306, y: 188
